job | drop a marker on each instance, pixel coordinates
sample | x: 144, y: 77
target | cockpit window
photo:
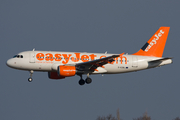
x: 18, y: 56
x: 15, y: 56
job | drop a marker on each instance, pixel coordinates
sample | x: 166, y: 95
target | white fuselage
x: 50, y: 60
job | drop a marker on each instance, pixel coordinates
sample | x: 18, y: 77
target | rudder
x: 155, y: 45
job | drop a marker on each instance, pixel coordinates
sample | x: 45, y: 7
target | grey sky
x: 115, y: 26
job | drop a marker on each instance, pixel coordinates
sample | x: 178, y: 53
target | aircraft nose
x: 9, y: 63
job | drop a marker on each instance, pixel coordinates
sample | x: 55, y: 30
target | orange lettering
x: 122, y: 59
x: 40, y: 56
x: 84, y: 58
x: 93, y: 56
x: 77, y: 57
x: 102, y: 56
x: 57, y: 57
x: 49, y: 57
x: 66, y: 58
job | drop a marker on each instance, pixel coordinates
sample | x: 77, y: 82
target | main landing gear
x: 30, y: 78
x: 88, y: 80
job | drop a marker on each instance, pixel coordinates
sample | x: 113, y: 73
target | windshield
x: 18, y: 56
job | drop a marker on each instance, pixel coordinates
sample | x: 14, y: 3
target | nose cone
x: 10, y: 63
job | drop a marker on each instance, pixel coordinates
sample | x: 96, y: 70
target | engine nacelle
x: 54, y: 75
x: 66, y: 71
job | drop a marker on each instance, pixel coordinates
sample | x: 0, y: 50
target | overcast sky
x: 97, y: 26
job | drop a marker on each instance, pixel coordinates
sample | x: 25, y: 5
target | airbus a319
x: 60, y: 65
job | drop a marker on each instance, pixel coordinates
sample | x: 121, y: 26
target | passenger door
x: 32, y: 57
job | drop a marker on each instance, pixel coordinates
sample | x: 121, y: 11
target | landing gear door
x: 32, y: 57
x: 135, y: 62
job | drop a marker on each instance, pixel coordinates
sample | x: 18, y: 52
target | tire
x: 81, y: 82
x: 88, y: 80
x: 30, y: 79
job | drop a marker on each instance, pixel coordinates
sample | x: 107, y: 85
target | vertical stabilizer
x: 155, y: 46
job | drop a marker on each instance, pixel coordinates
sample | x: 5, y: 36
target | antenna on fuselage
x: 106, y: 52
x: 33, y: 49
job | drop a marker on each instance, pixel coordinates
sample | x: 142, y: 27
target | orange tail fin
x: 155, y: 46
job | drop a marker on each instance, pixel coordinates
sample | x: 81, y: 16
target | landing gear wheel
x: 31, y: 73
x: 81, y: 82
x: 88, y: 80
x: 30, y: 79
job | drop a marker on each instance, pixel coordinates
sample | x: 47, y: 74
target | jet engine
x: 62, y: 72
x: 54, y: 75
x: 66, y: 71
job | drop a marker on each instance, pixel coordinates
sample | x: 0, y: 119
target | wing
x: 91, y: 66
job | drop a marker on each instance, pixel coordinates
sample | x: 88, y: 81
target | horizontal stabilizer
x: 159, y: 62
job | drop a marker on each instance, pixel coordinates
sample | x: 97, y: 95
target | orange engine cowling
x: 54, y: 75
x: 66, y: 71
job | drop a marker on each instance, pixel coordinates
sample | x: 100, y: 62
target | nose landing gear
x: 30, y: 78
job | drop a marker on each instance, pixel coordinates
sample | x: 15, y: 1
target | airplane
x: 60, y: 65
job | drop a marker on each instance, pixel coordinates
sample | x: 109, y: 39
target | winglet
x: 155, y: 46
